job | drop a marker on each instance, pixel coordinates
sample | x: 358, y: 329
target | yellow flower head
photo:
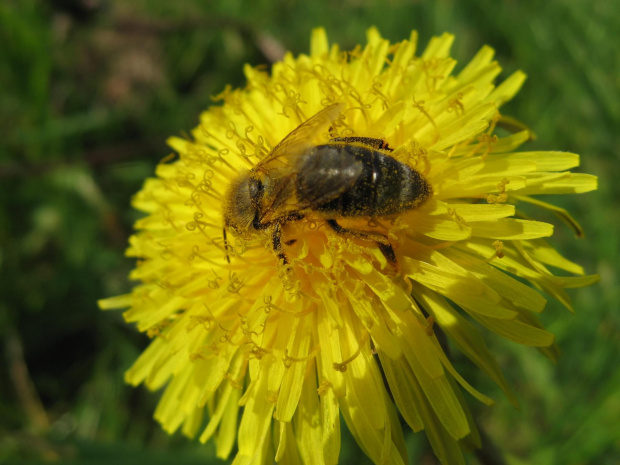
x: 324, y: 225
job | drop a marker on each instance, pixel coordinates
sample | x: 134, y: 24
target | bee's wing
x: 300, y: 139
x: 280, y: 166
x: 326, y: 175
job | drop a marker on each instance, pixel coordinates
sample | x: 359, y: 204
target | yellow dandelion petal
x: 322, y: 232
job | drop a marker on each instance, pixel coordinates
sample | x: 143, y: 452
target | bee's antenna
x: 225, y: 244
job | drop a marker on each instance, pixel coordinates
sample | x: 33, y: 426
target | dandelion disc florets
x: 272, y: 314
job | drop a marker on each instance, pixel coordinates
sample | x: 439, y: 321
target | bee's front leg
x: 226, y: 246
x: 276, y: 237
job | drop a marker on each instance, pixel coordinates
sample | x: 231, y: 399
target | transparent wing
x: 278, y: 171
x: 300, y: 139
x: 327, y: 175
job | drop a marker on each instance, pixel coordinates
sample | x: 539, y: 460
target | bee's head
x: 242, y: 205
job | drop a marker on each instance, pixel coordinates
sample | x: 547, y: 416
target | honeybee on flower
x: 299, y: 258
x: 347, y: 177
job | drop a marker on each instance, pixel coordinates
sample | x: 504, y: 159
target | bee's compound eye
x: 241, y: 204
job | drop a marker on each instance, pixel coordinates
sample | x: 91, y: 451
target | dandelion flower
x: 264, y: 345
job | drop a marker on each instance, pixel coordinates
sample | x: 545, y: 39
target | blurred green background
x: 90, y: 90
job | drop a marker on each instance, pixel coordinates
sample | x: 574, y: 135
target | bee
x: 348, y: 177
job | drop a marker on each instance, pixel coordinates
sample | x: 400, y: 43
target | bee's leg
x: 277, y: 242
x: 225, y: 244
x: 387, y: 251
x: 277, y: 233
x: 382, y: 241
x: 377, y: 144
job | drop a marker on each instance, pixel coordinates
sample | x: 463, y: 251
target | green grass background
x: 90, y: 90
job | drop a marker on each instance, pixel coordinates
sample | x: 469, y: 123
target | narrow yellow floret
x: 274, y: 312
